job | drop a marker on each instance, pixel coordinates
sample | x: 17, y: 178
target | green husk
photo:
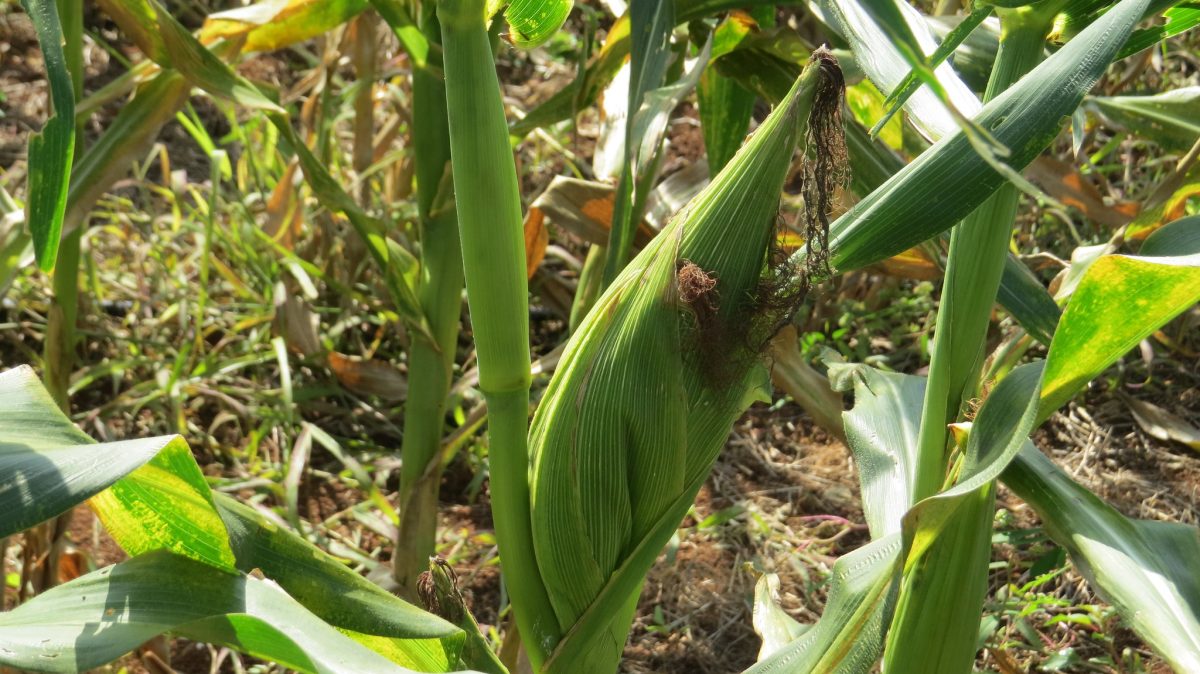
x: 651, y: 383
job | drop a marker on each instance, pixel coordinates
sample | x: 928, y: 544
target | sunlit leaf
x: 1089, y: 339
x: 532, y: 22
x: 50, y: 465
x: 951, y: 179
x: 881, y: 431
x: 269, y: 25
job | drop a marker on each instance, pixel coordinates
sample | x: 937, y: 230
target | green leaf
x: 888, y: 67
x: 947, y: 538
x: 648, y: 105
x: 997, y: 434
x: 165, y: 504
x: 1147, y: 570
x: 881, y: 431
x: 404, y: 25
x: 951, y: 179
x: 532, y: 22
x: 1178, y: 19
x: 1089, y: 339
x: 157, y: 499
x: 97, y: 618
x: 1171, y: 119
x: 912, y: 81
x: 725, y: 106
x: 1181, y: 237
x: 1030, y: 304
x: 185, y: 54
x: 51, y: 149
x: 337, y: 594
x: 849, y: 636
x: 126, y: 138
x: 50, y: 465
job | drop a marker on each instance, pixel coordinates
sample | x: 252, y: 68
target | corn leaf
x: 975, y: 56
x: 51, y: 465
x: 849, y: 636
x: 946, y: 547
x: 97, y: 618
x: 166, y: 504
x: 773, y: 625
x: 951, y: 179
x: 888, y: 67
x: 725, y: 105
x: 1178, y: 19
x: 52, y: 148
x: 139, y: 22
x: 126, y: 139
x: 1147, y: 570
x: 336, y: 594
x: 1024, y: 296
x: 1088, y: 338
x: 532, y: 22
x: 881, y: 431
x: 649, y: 103
x: 903, y: 91
x: 725, y: 110
x: 269, y: 25
x: 1181, y: 237
x: 164, y: 40
x: 404, y: 25
x: 1171, y: 118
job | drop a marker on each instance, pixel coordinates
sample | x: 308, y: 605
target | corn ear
x: 651, y: 383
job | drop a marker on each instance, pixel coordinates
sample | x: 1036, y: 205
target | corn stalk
x: 439, y: 292
x: 488, y: 204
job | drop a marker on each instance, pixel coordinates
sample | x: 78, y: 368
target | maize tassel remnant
x: 668, y: 358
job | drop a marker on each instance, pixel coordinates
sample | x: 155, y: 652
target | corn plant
x: 663, y: 358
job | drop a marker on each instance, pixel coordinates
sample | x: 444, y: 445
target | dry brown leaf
x: 913, y: 264
x: 296, y: 323
x: 537, y: 237
x: 369, y: 377
x: 585, y: 208
x: 71, y: 565
x: 1162, y: 424
x: 1065, y: 183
